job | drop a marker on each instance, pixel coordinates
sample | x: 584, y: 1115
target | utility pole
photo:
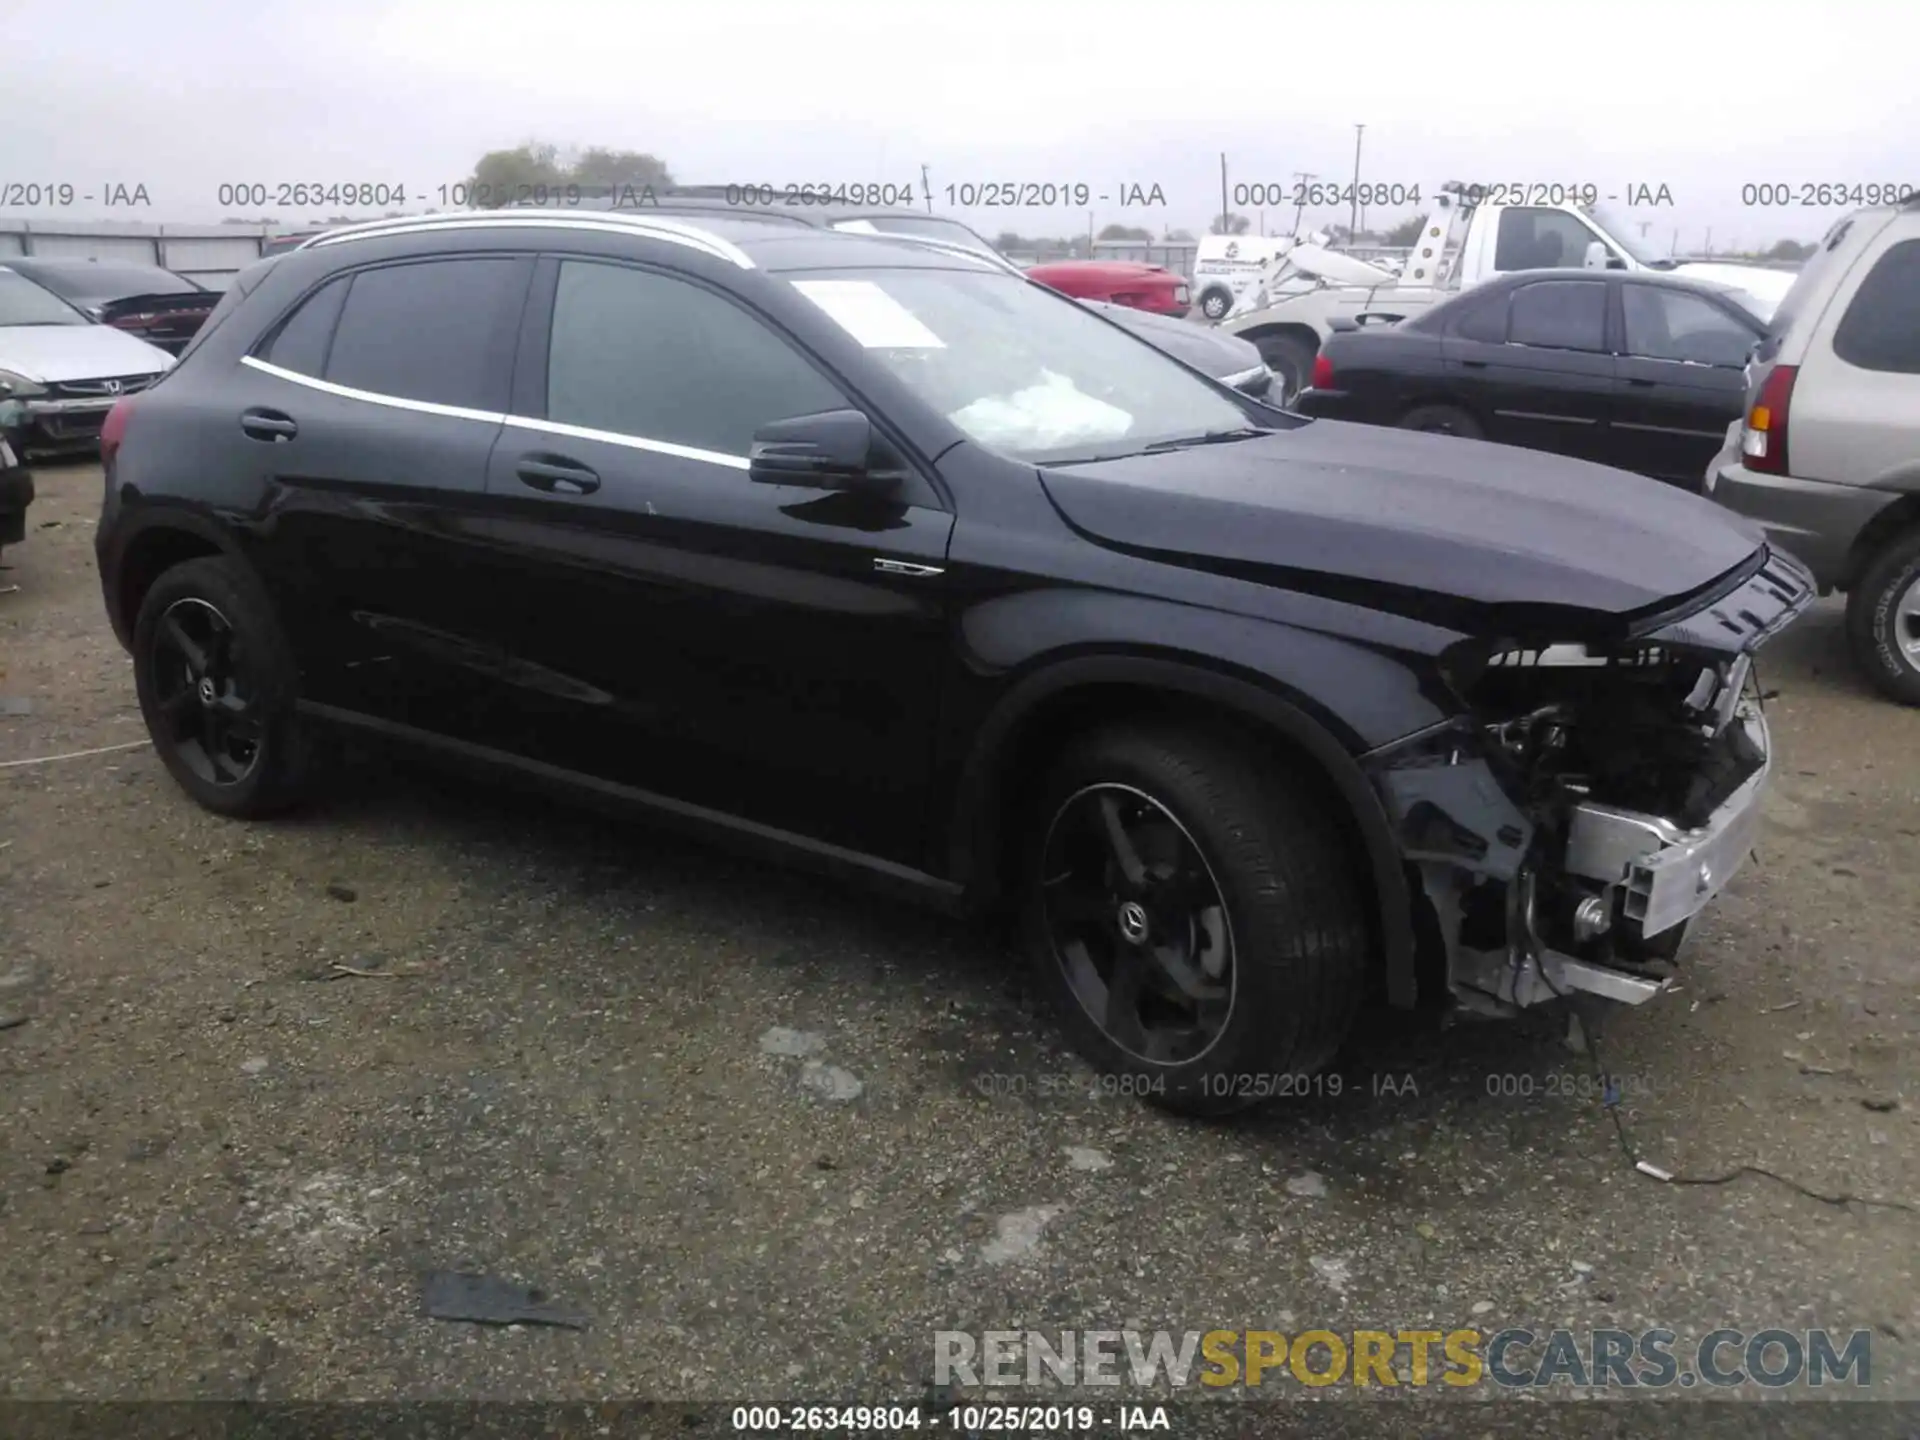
x: 1709, y: 251
x: 1226, y: 221
x: 1302, y: 178
x: 926, y: 188
x: 1353, y: 215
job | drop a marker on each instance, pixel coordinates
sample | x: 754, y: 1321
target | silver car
x: 64, y: 368
x: 1827, y: 455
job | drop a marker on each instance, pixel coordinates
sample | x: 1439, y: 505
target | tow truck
x: 1307, y: 290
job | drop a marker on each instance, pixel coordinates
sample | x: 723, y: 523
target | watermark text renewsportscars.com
x: 1512, y: 1358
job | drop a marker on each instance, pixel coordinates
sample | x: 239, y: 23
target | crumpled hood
x: 1458, y: 531
x: 50, y: 354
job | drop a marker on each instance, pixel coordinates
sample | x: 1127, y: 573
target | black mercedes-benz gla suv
x: 881, y: 557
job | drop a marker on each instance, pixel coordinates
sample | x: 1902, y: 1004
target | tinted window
x: 1561, y: 315
x: 434, y: 330
x: 1673, y: 325
x: 301, y: 342
x: 1485, y: 321
x: 1532, y: 239
x: 1881, y: 329
x: 662, y: 359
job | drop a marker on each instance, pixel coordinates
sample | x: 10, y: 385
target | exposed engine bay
x: 1565, y: 830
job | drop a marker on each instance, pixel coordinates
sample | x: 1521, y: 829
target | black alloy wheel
x: 1138, y: 924
x: 210, y: 716
x: 217, y: 683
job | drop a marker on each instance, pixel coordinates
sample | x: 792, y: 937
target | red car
x: 1121, y: 282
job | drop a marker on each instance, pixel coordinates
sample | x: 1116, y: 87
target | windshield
x: 92, y: 284
x: 1025, y: 372
x: 24, y: 303
x: 1626, y: 235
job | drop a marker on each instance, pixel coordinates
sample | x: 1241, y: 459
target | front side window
x: 1560, y: 315
x: 1881, y: 329
x: 430, y: 330
x: 658, y: 358
x: 24, y: 303
x: 1023, y: 371
x: 1664, y: 324
x: 1539, y: 239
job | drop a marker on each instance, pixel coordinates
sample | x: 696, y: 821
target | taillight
x: 111, y: 429
x: 1322, y: 373
x: 1763, y: 443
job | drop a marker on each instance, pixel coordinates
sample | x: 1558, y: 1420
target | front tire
x: 1195, y: 917
x: 217, y: 684
x: 1883, y: 620
x: 1215, y: 304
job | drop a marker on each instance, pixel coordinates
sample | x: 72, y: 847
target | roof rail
x: 615, y: 221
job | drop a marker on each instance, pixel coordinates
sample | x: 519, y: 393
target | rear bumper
x: 1815, y: 521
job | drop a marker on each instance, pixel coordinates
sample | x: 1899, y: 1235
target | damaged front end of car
x: 1592, y: 797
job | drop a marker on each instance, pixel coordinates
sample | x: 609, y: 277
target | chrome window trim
x: 522, y: 422
x: 373, y: 397
x: 656, y: 228
x: 632, y: 442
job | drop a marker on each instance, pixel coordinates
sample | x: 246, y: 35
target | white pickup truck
x: 1289, y: 307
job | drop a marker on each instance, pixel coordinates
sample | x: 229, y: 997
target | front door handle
x: 269, y: 425
x: 1644, y: 384
x: 557, y: 477
x: 1473, y: 364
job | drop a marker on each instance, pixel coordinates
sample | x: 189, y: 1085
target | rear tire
x: 1214, y: 304
x: 1279, y: 952
x: 217, y: 684
x: 1883, y: 620
x: 1291, y: 361
x: 1441, y: 420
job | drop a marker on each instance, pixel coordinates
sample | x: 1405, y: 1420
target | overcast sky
x: 1703, y: 96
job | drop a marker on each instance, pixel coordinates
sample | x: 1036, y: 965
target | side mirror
x: 1598, y: 256
x: 832, y: 450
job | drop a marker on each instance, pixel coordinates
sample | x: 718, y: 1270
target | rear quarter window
x: 1881, y: 329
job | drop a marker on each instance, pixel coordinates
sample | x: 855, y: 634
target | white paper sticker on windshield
x: 870, y: 315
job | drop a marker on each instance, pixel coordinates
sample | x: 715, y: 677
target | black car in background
x: 880, y: 557
x: 156, y: 305
x: 1639, y: 370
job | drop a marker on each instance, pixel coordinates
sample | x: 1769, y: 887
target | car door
x: 768, y: 652
x: 1549, y: 384
x: 372, y: 408
x: 1681, y: 380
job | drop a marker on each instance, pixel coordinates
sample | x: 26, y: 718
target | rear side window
x: 1486, y: 321
x: 647, y: 355
x: 1560, y: 315
x: 300, y: 345
x: 1881, y: 329
x: 243, y: 285
x: 434, y: 330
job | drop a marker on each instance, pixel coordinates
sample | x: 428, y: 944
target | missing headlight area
x: 1571, y: 824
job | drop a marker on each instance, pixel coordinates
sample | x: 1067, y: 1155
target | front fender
x: 1331, y: 698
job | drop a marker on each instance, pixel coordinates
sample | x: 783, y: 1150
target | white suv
x: 1827, y: 457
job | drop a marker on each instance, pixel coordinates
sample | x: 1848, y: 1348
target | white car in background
x: 65, y: 368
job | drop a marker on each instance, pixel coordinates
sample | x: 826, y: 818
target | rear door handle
x: 557, y: 477
x: 1644, y: 384
x: 268, y: 425
x: 1473, y: 364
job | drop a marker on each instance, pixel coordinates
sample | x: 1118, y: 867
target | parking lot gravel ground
x: 770, y: 1134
